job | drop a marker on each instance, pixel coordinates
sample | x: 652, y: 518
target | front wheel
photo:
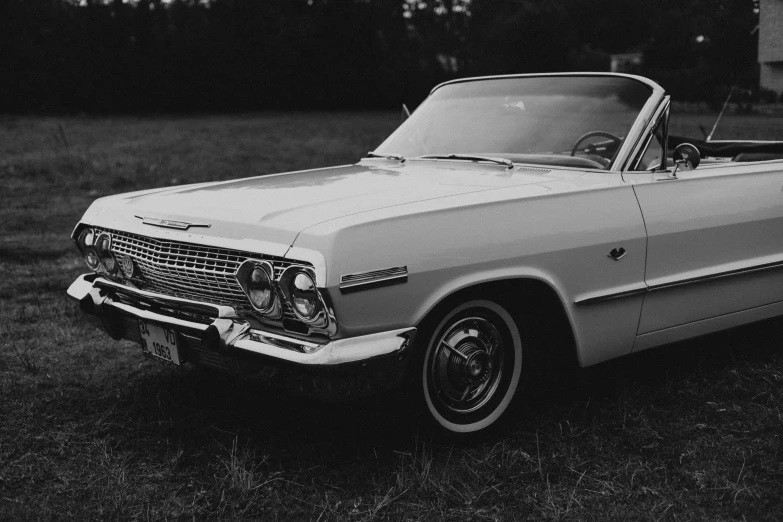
x: 471, y: 367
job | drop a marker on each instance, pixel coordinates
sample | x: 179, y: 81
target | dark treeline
x: 219, y: 55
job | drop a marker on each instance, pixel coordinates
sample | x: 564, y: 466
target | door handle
x: 617, y: 253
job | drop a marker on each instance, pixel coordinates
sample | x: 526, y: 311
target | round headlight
x: 304, y: 296
x: 86, y: 241
x: 103, y: 248
x: 86, y: 238
x: 259, y: 288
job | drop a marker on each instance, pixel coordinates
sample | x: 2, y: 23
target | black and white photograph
x: 358, y: 260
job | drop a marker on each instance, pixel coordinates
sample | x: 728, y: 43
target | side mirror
x: 686, y: 157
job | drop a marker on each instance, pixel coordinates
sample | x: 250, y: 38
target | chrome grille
x: 198, y: 272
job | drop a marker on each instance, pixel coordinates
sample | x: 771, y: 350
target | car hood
x: 275, y: 208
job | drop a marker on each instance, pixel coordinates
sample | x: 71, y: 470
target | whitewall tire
x: 472, y: 367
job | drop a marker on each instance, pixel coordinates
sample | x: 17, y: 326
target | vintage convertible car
x: 510, y: 222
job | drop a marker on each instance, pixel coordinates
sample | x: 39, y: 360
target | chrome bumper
x: 224, y: 331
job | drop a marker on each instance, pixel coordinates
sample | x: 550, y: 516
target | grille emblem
x: 169, y: 223
x: 126, y: 265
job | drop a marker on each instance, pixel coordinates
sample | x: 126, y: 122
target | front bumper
x: 217, y: 336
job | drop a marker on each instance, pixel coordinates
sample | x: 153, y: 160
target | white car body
x: 703, y: 251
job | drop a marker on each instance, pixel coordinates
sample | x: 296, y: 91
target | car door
x: 714, y: 248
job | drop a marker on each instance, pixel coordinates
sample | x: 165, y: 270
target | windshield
x: 576, y: 121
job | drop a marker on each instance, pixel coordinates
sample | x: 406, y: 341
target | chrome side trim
x: 373, y: 279
x: 597, y: 298
x: 533, y: 169
x: 716, y: 275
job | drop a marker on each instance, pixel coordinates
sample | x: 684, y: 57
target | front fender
x: 560, y: 238
x: 472, y: 279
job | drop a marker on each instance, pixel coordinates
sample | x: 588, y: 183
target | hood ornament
x: 169, y: 223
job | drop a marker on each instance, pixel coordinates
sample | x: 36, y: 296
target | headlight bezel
x: 321, y: 315
x: 107, y: 259
x: 302, y: 283
x: 87, y: 248
x: 244, y: 273
x: 322, y: 321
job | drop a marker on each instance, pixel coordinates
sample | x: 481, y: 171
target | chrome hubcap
x: 466, y: 365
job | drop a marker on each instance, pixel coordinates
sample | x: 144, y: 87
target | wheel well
x: 539, y: 313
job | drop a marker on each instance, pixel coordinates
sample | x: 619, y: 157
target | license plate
x: 159, y: 342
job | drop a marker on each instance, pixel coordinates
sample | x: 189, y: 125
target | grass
x: 91, y: 430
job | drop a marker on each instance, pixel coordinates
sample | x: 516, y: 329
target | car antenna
x: 405, y: 112
x: 725, y: 104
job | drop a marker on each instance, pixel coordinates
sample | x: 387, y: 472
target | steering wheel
x: 590, y: 134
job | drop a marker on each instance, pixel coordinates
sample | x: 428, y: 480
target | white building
x: 626, y: 62
x: 771, y: 44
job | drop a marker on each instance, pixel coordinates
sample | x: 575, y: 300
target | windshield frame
x: 635, y: 133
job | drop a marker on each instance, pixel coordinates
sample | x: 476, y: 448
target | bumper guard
x: 97, y: 297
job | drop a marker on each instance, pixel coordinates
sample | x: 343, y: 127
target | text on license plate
x: 159, y: 342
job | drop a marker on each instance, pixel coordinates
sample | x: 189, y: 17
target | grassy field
x: 91, y: 430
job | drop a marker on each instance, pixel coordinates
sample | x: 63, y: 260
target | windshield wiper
x: 471, y: 157
x: 390, y: 155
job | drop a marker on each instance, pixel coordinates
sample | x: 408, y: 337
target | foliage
x: 218, y: 55
x: 703, y: 47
